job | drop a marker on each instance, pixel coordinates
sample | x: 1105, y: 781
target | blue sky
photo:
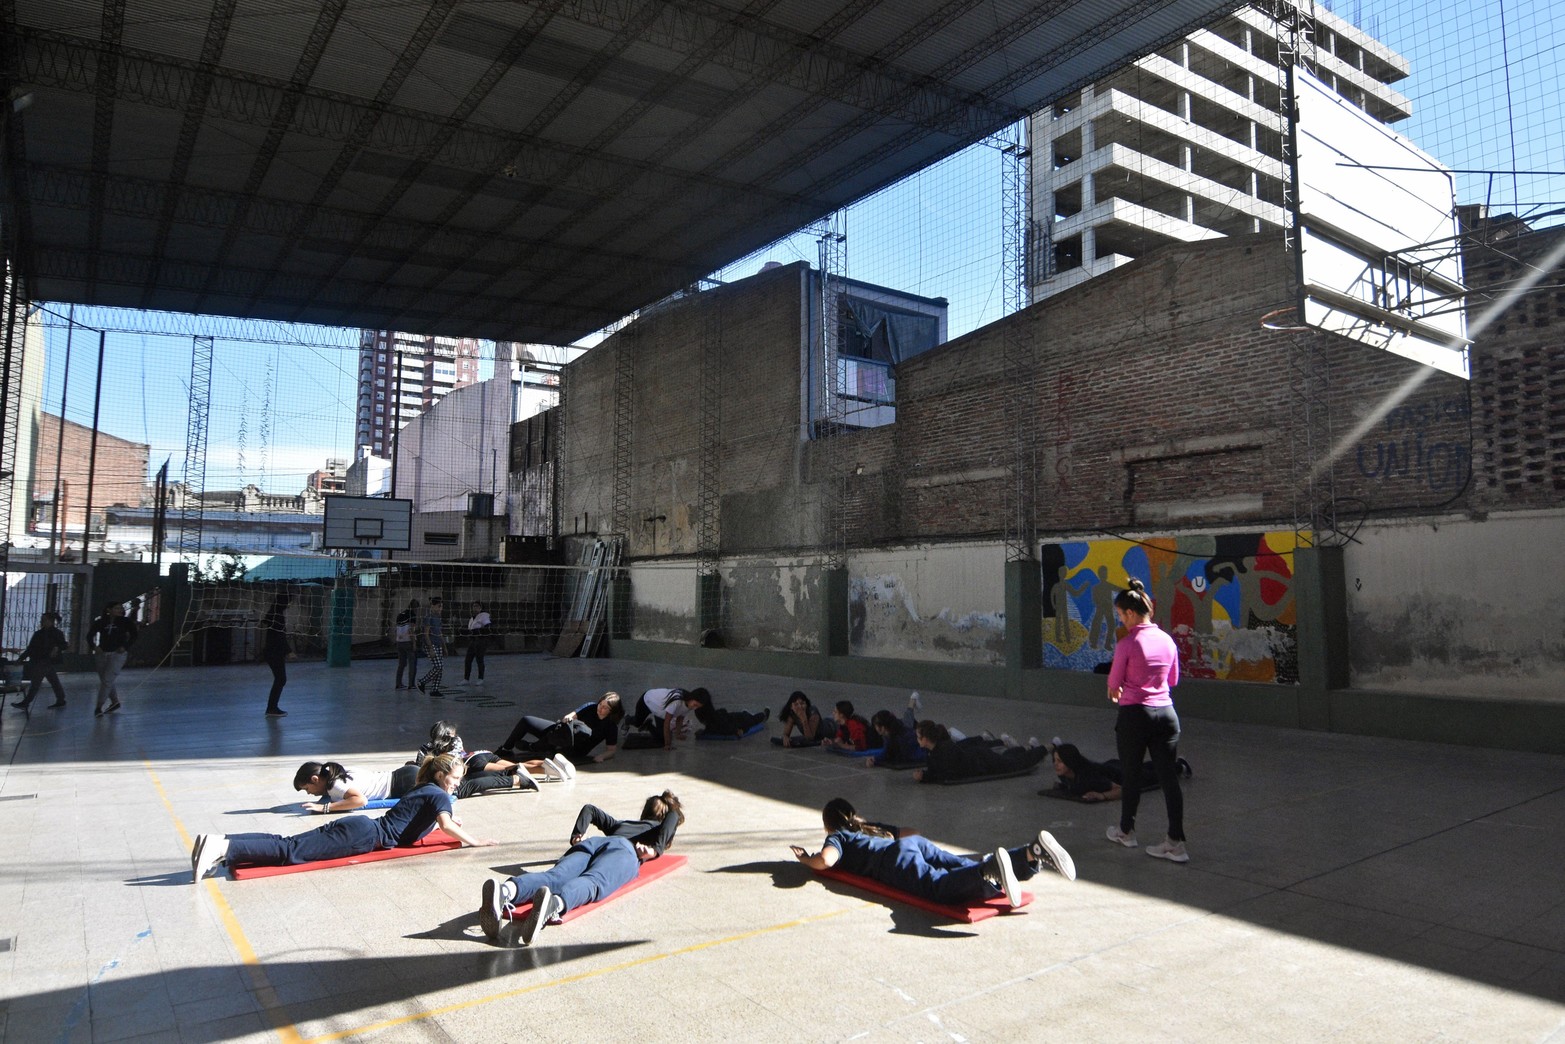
x: 1483, y: 98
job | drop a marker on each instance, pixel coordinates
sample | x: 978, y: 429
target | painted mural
x: 1227, y: 600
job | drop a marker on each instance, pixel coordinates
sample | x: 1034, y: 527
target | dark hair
x: 1074, y: 760
x: 413, y: 603
x: 893, y: 725
x: 1134, y: 599
x: 616, y: 707
x: 436, y: 601
x: 442, y: 738
x: 703, y: 704
x: 661, y: 806
x: 840, y: 815
x: 787, y: 714
x: 845, y: 708
x: 51, y: 615
x: 329, y: 771
x: 934, y: 732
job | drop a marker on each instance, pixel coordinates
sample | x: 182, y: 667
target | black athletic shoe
x: 1184, y: 768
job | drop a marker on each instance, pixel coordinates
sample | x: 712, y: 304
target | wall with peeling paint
x: 772, y: 604
x: 663, y: 602
x: 944, y: 603
x: 1460, y: 607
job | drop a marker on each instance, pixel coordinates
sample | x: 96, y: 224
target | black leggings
x: 278, y: 662
x: 1153, y: 731
x: 475, y: 654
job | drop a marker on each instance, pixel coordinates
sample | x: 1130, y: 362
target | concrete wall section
x: 1458, y: 607
x: 772, y: 605
x: 663, y: 602
x: 940, y: 603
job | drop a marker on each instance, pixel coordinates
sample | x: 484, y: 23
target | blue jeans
x: 1153, y: 731
x: 926, y: 870
x: 592, y: 869
x: 348, y: 836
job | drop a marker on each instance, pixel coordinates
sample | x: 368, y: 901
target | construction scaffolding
x: 1021, y: 375
x: 191, y: 512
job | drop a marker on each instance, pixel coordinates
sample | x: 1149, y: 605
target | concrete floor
x: 1339, y: 887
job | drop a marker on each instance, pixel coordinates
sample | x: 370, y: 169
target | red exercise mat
x: 436, y: 840
x: 650, y: 871
x: 968, y: 914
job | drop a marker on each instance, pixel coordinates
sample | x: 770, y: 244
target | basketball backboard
x: 367, y: 523
x: 1376, y: 221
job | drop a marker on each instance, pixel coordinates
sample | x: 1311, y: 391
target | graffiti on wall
x: 1227, y: 600
x: 1418, y: 443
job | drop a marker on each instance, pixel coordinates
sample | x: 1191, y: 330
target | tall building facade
x: 1185, y: 144
x: 401, y: 375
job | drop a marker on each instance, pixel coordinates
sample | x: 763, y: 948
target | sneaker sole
x: 533, y: 923
x: 1128, y: 842
x: 1054, y: 853
x: 1008, y: 882
x: 1172, y: 857
x: 489, y: 913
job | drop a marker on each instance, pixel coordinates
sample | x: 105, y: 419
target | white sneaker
x: 1055, y: 743
x: 210, y: 850
x: 915, y: 704
x: 1032, y: 742
x: 1050, y: 853
x: 1006, y: 877
x: 552, y: 770
x: 1173, y: 851
x: 1009, y: 740
x: 1119, y: 837
x: 565, y: 766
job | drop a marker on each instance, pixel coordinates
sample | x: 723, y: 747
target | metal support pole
x: 92, y: 453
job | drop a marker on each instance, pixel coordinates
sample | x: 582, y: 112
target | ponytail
x: 329, y: 772
x: 1134, y: 599
x: 840, y: 815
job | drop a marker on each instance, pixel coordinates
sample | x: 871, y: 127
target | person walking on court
x: 274, y: 650
x: 110, y: 638
x: 435, y: 648
x: 42, y: 657
x: 1145, y: 669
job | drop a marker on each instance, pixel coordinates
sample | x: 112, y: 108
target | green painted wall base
x: 339, y: 636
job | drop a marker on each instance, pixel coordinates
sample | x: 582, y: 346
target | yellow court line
x: 265, y: 993
x: 579, y: 977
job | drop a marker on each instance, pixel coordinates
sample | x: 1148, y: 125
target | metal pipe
x: 92, y: 453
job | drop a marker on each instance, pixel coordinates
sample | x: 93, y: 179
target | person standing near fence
x: 274, y: 650
x: 42, y: 656
x: 110, y: 638
x: 435, y: 648
x: 478, y: 628
x: 405, y: 634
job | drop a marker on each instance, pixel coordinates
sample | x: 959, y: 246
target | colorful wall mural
x: 1227, y: 600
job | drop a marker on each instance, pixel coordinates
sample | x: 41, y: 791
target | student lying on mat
x: 915, y: 865
x: 800, y: 714
x: 577, y: 734
x: 593, y: 868
x: 1081, y: 777
x: 724, y: 722
x: 422, y: 809
x: 898, y: 737
x: 853, y: 731
x: 342, y: 790
x: 952, y: 760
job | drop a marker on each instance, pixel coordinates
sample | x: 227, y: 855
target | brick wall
x: 119, y: 479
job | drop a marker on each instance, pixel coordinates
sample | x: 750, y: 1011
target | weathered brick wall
x: 1160, y: 402
x: 760, y: 323
x: 1518, y: 369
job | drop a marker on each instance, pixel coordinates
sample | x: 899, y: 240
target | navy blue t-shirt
x: 414, y: 816
x: 864, y: 855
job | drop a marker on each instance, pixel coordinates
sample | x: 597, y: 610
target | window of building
x: 380, y: 408
x: 446, y: 539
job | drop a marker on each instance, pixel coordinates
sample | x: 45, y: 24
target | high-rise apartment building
x: 1185, y: 144
x: 401, y: 375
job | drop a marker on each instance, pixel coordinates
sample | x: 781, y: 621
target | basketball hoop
x: 1284, y: 320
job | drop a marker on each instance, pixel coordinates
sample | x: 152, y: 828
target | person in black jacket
x: 42, y: 656
x: 975, y: 757
x: 110, y: 638
x: 592, y: 869
x: 274, y: 650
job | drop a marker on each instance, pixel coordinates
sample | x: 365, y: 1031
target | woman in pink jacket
x: 1145, y: 668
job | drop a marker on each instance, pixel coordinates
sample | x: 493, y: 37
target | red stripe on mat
x: 650, y: 871
x: 436, y: 840
x: 966, y: 914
